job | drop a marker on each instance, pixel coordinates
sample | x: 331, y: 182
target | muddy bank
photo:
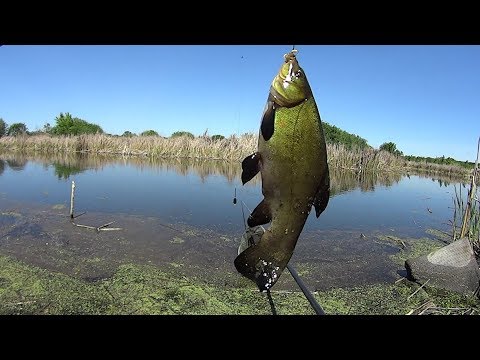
x: 151, y: 266
x: 42, y: 235
x: 146, y: 289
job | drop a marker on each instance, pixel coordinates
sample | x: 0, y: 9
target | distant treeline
x: 335, y: 135
x: 440, y: 160
x: 355, y: 151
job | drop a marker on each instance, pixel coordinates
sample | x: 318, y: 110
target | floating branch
x: 83, y: 213
x: 426, y: 282
x: 98, y: 228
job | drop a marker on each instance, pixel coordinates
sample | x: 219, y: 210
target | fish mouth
x: 293, y: 72
x: 289, y: 87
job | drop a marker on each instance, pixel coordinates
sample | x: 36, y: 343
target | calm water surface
x: 199, y: 195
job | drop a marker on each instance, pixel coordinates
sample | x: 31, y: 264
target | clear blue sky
x: 426, y: 99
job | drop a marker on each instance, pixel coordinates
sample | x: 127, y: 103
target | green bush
x: 68, y: 125
x: 17, y: 129
x: 217, y: 137
x: 182, y: 133
x: 335, y: 135
x: 149, y: 133
x: 3, y: 127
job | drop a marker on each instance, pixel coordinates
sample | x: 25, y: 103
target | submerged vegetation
x: 146, y: 289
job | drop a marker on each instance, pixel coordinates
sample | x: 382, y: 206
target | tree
x: 3, y: 127
x: 391, y: 148
x: 335, y: 135
x: 17, y: 129
x: 47, y: 128
x: 217, y: 137
x: 182, y: 133
x: 128, y: 134
x: 149, y: 133
x: 68, y: 125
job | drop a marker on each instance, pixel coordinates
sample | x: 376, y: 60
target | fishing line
x: 270, y: 300
x: 244, y: 222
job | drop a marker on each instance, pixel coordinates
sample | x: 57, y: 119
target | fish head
x: 290, y: 86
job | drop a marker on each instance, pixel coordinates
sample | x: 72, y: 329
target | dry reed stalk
x: 471, y: 194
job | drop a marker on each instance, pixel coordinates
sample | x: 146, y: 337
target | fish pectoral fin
x: 321, y: 200
x: 260, y: 215
x: 250, y: 167
x: 268, y: 121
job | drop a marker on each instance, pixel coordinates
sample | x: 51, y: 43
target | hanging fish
x: 292, y: 161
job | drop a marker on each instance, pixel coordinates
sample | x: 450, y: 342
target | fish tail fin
x: 262, y: 265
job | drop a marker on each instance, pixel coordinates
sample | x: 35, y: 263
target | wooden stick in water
x: 72, y: 197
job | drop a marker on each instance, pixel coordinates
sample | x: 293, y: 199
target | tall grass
x: 466, y: 211
x: 233, y: 148
x: 367, y: 159
x: 432, y: 168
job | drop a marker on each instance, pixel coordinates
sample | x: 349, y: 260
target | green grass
x: 146, y: 289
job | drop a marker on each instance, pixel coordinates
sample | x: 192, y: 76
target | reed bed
x: 432, y: 168
x: 466, y: 210
x: 234, y: 148
x: 367, y: 159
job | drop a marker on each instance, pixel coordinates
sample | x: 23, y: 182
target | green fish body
x: 292, y: 160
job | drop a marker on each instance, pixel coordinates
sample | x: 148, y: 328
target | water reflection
x: 345, y: 180
x: 200, y: 192
x: 17, y: 163
x: 71, y: 164
x: 68, y: 164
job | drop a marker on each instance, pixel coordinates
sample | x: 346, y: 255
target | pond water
x: 181, y: 212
